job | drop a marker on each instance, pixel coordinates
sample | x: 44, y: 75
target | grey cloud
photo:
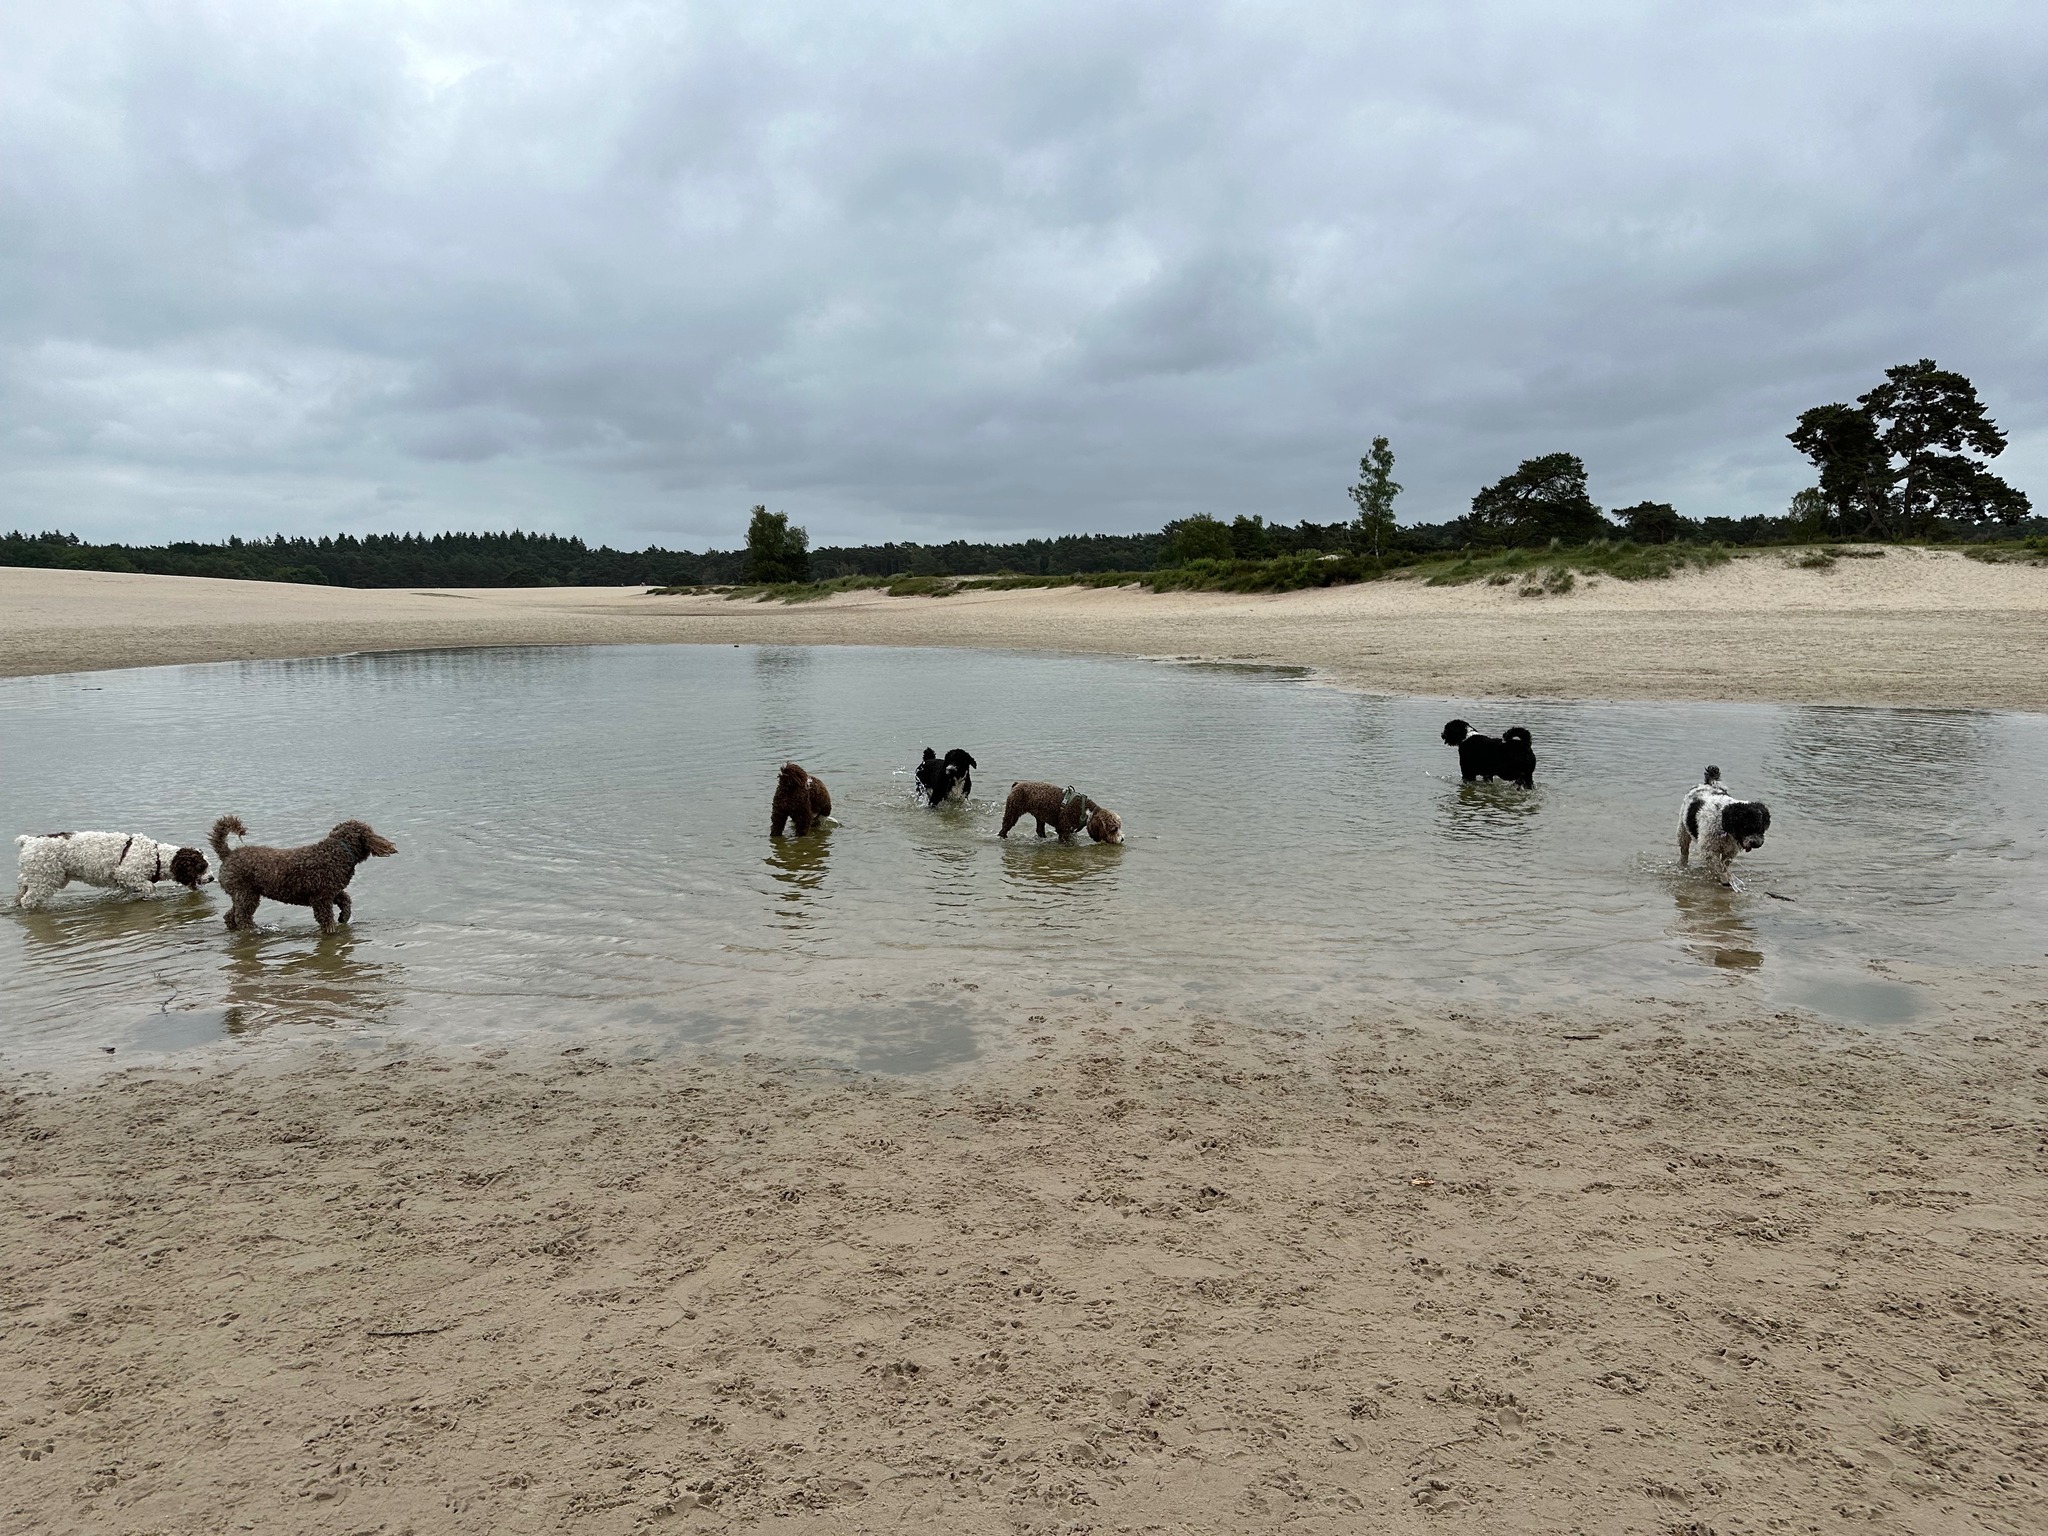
x: 943, y: 271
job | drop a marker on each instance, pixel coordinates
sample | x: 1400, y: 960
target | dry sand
x: 1668, y: 1270
x: 1912, y: 627
x: 1688, y: 1273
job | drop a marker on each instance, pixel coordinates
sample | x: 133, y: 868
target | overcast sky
x: 945, y: 270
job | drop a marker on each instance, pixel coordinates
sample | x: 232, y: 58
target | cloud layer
x: 924, y: 271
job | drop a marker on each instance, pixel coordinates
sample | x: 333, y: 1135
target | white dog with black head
x: 113, y: 861
x: 1722, y: 825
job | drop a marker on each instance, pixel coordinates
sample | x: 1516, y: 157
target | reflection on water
x: 1713, y: 924
x: 585, y: 836
x: 1037, y: 863
x: 1490, y: 812
x: 328, y: 981
x: 797, y: 865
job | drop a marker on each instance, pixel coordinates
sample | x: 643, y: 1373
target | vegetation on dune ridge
x: 1545, y: 571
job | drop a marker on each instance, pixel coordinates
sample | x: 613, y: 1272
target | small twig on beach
x: 1776, y: 897
x: 406, y: 1333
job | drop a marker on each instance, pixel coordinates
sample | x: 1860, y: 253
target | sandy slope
x: 1916, y: 626
x: 1680, y: 1274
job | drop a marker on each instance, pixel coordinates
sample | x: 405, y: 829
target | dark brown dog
x: 315, y: 876
x: 1065, y: 811
x: 799, y: 799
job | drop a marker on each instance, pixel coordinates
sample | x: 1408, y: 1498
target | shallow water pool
x: 584, y: 848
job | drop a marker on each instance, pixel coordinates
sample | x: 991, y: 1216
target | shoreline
x: 1915, y: 628
x: 1681, y: 1269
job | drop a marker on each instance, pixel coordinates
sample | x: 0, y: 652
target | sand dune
x: 1912, y: 627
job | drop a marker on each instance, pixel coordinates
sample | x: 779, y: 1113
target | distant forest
x: 547, y: 560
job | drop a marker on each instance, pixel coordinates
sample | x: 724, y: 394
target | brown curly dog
x: 1064, y: 810
x: 315, y: 876
x: 799, y: 798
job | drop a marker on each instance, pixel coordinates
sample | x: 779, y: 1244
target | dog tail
x: 1712, y: 775
x: 219, y: 836
x: 1515, y: 733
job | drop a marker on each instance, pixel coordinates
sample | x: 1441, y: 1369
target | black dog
x: 942, y: 779
x: 1482, y: 757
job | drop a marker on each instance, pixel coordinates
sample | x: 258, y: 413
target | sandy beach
x: 1654, y: 1268
x: 1683, y: 1271
x: 1912, y: 627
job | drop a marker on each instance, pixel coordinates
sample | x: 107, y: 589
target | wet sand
x: 1660, y: 1270
x: 1687, y: 1272
x: 1912, y: 627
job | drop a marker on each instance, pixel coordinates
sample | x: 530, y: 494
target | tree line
x: 1907, y: 460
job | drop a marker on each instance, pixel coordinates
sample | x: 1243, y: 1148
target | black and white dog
x: 114, y: 861
x: 1511, y: 757
x: 940, y: 779
x: 1722, y: 825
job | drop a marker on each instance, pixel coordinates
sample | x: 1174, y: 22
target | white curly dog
x: 114, y: 861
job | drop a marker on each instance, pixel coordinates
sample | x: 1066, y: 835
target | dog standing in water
x: 1066, y: 811
x: 315, y: 875
x: 800, y: 800
x: 1511, y: 756
x: 113, y: 861
x: 1722, y: 825
x: 944, y: 779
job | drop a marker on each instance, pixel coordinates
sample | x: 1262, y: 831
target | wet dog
x: 940, y: 779
x: 1722, y: 825
x: 1509, y: 757
x: 113, y: 861
x: 800, y: 801
x: 1066, y: 811
x: 316, y: 875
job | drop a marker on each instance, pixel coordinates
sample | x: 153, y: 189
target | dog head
x: 188, y: 868
x: 1106, y: 826
x: 958, y: 760
x: 362, y: 840
x: 1456, y: 732
x: 1746, y: 821
x: 793, y: 778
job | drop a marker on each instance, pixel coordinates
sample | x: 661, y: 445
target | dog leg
x: 323, y: 914
x: 243, y: 913
x: 344, y: 908
x: 1041, y: 824
x: 1684, y: 847
x: 1010, y: 819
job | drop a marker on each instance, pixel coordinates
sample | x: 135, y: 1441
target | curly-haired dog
x: 1722, y: 825
x: 1509, y: 757
x: 316, y: 875
x: 1066, y: 811
x: 113, y: 861
x: 801, y: 800
x: 940, y: 779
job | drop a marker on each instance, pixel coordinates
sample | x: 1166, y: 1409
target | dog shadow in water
x: 1711, y: 925
x: 798, y: 865
x: 326, y: 984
